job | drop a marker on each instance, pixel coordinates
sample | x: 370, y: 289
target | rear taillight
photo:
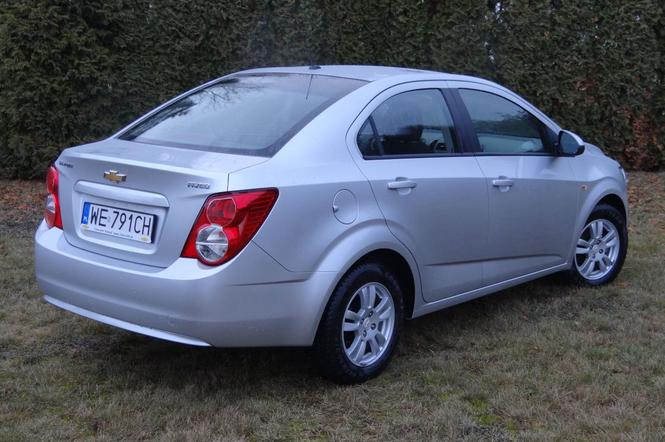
x: 52, y: 205
x: 226, y: 224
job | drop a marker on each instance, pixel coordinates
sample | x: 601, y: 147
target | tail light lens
x: 52, y: 205
x: 226, y: 224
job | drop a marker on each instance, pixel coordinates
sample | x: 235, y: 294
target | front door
x: 532, y: 191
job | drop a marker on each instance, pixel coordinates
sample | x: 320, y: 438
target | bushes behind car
x: 76, y: 71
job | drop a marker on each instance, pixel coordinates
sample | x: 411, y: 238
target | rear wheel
x: 601, y: 247
x: 360, y: 326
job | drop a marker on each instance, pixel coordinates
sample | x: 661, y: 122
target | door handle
x: 502, y: 182
x: 401, y: 184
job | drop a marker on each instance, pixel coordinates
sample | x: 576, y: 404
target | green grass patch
x: 541, y: 361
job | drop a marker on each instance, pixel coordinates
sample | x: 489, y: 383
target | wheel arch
x: 400, y: 266
x: 615, y: 255
x: 608, y: 196
x: 390, y: 253
x: 599, y: 195
x: 614, y: 200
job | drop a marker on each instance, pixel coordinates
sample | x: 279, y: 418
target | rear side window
x: 416, y: 122
x: 502, y: 127
x: 248, y: 115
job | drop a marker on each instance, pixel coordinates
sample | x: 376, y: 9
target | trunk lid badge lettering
x: 193, y: 185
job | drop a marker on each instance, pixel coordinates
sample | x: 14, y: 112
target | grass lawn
x: 542, y: 361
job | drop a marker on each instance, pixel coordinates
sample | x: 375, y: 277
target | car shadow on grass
x: 141, y: 360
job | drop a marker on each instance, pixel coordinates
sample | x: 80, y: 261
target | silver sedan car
x: 322, y: 206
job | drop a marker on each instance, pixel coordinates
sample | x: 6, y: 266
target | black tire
x: 611, y: 214
x: 329, y: 350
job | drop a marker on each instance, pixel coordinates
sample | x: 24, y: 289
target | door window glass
x: 411, y: 123
x: 366, y: 140
x: 502, y: 127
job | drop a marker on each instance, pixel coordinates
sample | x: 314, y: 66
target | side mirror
x: 570, y: 144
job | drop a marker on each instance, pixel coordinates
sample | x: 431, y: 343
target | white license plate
x: 120, y: 223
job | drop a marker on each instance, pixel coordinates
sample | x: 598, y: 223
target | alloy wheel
x: 368, y: 324
x: 597, y: 249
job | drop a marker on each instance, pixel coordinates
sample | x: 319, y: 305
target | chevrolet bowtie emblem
x: 114, y: 176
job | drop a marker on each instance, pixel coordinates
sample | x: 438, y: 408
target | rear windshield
x: 247, y: 115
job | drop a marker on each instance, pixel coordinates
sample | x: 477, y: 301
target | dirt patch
x: 21, y: 206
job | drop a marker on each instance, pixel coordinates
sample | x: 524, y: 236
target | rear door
x: 431, y: 192
x: 532, y: 191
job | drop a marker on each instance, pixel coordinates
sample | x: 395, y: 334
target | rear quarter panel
x: 302, y: 232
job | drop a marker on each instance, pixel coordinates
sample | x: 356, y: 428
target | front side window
x: 247, y: 114
x: 411, y: 123
x: 502, y: 127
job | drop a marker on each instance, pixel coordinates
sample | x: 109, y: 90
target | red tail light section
x: 226, y: 224
x: 52, y: 204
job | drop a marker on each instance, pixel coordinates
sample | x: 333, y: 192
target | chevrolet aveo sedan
x: 322, y: 206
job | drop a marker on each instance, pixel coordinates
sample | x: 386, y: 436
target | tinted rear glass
x: 248, y: 115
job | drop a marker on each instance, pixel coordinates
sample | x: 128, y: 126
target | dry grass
x: 542, y: 361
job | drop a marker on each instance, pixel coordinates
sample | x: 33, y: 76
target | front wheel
x: 360, y: 326
x: 601, y: 247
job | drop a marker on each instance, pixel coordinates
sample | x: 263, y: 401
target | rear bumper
x: 249, y: 301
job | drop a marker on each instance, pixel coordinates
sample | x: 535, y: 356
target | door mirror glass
x: 570, y: 144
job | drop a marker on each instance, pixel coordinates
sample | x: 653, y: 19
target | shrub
x: 72, y: 71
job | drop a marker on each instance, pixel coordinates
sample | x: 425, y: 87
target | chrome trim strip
x: 121, y: 194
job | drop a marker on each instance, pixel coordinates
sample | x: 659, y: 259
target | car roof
x: 366, y: 73
x: 387, y: 76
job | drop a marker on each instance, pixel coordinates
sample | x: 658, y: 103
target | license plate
x: 120, y: 223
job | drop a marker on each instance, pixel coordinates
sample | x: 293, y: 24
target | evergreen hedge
x: 73, y: 71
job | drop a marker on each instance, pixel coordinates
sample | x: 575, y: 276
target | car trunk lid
x: 164, y: 184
